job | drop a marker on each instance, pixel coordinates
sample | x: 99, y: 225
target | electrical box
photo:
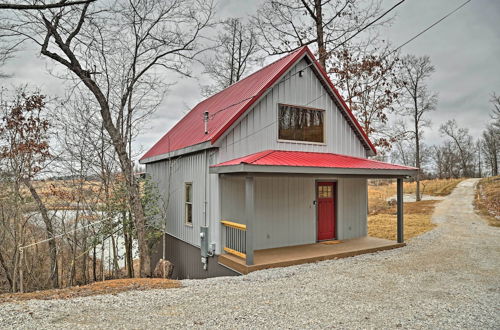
x: 204, y: 239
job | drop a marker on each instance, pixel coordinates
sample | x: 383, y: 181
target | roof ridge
x: 342, y: 155
x: 264, y: 154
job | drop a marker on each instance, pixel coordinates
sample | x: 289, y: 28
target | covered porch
x: 274, y: 206
x: 307, y: 253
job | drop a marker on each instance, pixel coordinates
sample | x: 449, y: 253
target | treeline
x: 70, y: 231
x: 460, y: 154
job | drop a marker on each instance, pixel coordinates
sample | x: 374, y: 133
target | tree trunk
x: 72, y: 276
x: 494, y: 168
x: 6, y: 271
x: 94, y: 263
x: 417, y: 155
x: 54, y: 270
x: 322, y: 54
x: 127, y: 235
x: 117, y: 140
x: 115, y: 256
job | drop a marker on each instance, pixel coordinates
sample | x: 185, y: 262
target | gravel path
x: 448, y: 278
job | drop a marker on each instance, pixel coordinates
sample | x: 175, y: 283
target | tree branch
x: 60, y: 4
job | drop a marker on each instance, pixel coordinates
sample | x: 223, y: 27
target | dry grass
x: 379, y: 194
x: 438, y: 187
x: 417, y: 215
x: 417, y: 220
x: 97, y: 288
x: 487, y: 201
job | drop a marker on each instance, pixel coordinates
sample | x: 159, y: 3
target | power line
x: 312, y: 63
x: 430, y: 26
x: 345, y: 41
x: 61, y: 235
x: 367, y: 26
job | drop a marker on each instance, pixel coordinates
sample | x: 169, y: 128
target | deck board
x: 301, y: 254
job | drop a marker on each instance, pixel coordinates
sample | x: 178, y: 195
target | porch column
x: 249, y: 217
x: 400, y: 210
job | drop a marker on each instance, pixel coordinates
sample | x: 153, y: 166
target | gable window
x: 188, y: 204
x: 300, y: 123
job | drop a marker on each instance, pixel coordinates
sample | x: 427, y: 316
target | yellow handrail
x: 236, y: 253
x: 234, y: 225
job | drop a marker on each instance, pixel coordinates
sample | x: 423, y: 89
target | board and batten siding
x: 258, y: 128
x: 186, y: 168
x: 285, y: 213
x: 353, y: 206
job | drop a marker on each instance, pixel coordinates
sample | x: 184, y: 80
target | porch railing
x: 235, y: 238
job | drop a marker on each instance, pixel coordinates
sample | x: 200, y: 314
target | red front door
x: 326, y: 210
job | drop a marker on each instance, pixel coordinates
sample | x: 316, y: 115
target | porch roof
x: 278, y: 161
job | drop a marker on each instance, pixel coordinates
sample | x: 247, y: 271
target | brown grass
x: 417, y: 215
x: 487, y: 201
x: 97, y: 288
x: 417, y: 220
x: 438, y: 187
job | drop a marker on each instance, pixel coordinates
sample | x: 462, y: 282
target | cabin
x: 270, y: 172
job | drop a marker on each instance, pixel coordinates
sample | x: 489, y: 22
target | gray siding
x: 353, y: 206
x: 258, y: 130
x: 170, y: 177
x: 186, y: 260
x: 285, y: 213
x: 233, y: 202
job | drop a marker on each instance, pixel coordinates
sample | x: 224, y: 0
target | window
x: 325, y: 191
x: 300, y: 124
x: 188, y: 208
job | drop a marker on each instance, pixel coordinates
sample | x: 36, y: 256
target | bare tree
x: 368, y: 79
x: 24, y: 149
x: 285, y: 25
x: 114, y: 49
x: 418, y: 101
x: 495, y: 102
x: 490, y: 147
x: 490, y: 143
x: 235, y: 53
x: 43, y: 6
x: 446, y: 161
x: 463, y: 146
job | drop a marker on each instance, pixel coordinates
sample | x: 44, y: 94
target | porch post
x: 249, y: 217
x: 400, y: 210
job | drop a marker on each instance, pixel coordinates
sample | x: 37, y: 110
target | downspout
x: 206, y: 179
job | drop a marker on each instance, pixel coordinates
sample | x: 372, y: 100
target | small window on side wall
x: 188, y: 205
x: 300, y: 124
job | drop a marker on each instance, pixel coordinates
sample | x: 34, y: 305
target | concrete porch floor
x: 301, y: 254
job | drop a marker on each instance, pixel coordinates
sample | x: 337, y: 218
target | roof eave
x: 177, y: 153
x: 282, y: 169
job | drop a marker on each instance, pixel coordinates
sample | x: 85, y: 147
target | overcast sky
x: 464, y: 48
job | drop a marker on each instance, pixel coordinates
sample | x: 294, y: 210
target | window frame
x: 188, y: 204
x: 299, y: 141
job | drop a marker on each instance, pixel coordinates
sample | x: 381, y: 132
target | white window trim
x: 186, y: 203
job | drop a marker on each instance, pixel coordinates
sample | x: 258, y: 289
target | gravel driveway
x: 447, y: 278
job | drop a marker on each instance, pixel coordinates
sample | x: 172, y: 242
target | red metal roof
x: 227, y: 106
x: 311, y: 159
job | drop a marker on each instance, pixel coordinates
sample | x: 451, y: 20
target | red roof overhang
x: 316, y: 162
